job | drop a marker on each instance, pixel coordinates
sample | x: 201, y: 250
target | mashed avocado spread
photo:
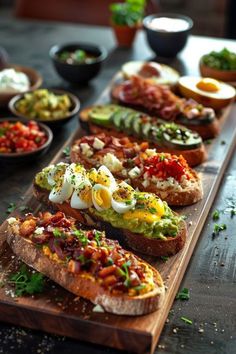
x: 141, y: 219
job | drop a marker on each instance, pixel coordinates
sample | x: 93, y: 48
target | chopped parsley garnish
x: 164, y: 258
x: 56, y: 232
x: 216, y: 215
x: 152, y: 210
x: 97, y: 237
x: 66, y: 151
x: 218, y: 228
x: 26, y: 283
x: 186, y: 320
x: 183, y: 294
x: 81, y: 236
x: 11, y: 207
x: 128, y: 202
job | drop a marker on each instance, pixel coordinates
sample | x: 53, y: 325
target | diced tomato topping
x: 19, y: 137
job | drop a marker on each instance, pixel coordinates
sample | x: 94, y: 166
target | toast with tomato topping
x: 114, y: 120
x: 158, y: 100
x: 86, y: 263
x: 95, y: 197
x: 166, y: 175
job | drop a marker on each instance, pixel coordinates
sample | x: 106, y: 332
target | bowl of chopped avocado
x: 78, y: 63
x: 52, y: 107
x: 219, y: 65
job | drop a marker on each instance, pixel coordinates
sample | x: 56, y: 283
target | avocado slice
x: 146, y: 130
x: 118, y: 118
x: 101, y: 114
x: 127, y: 123
x: 137, y: 125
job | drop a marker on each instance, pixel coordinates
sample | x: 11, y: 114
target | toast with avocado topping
x: 160, y: 101
x: 168, y: 137
x: 86, y: 263
x: 95, y: 197
x: 166, y: 175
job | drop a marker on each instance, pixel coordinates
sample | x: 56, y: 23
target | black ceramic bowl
x: 16, y: 157
x: 79, y: 73
x: 166, y: 43
x: 53, y: 123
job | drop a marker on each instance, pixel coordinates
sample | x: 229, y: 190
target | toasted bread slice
x: 83, y: 283
x: 151, y: 246
x: 207, y: 129
x: 194, y: 156
x: 125, y: 152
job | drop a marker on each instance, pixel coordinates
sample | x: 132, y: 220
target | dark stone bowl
x: 164, y: 43
x: 78, y: 73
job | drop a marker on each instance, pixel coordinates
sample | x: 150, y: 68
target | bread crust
x: 183, y: 197
x: 84, y: 285
x: 194, y: 157
x: 206, y: 131
x: 150, y: 246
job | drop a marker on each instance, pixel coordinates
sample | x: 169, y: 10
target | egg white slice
x: 123, y: 198
x: 101, y: 197
x: 82, y: 196
x: 55, y: 172
x: 75, y: 174
x: 105, y: 177
x: 61, y: 192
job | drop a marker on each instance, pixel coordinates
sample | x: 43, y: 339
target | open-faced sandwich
x: 160, y: 101
x: 95, y: 197
x: 165, y: 137
x: 166, y: 175
x: 86, y: 263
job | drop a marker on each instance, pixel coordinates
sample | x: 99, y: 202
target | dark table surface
x: 211, y: 274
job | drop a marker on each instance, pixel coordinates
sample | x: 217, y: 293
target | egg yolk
x: 99, y: 177
x: 153, y: 210
x: 85, y: 194
x: 123, y: 193
x: 208, y: 85
x: 102, y: 198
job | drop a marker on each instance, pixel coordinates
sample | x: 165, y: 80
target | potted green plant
x: 126, y: 19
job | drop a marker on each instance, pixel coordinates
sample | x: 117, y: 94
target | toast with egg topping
x: 95, y: 197
x: 86, y: 263
x: 166, y: 175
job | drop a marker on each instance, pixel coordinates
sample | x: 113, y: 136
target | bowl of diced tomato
x: 23, y: 140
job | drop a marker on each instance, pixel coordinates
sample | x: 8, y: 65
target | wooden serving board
x: 58, y: 311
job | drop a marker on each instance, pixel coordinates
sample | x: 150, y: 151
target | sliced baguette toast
x: 144, y: 244
x: 206, y: 129
x: 85, y: 284
x: 120, y: 148
x: 194, y: 156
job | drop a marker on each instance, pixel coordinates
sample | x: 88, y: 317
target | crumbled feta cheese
x: 150, y: 152
x: 112, y: 162
x: 86, y: 149
x: 98, y: 308
x: 75, y: 148
x: 135, y: 172
x: 145, y: 183
x: 39, y: 230
x: 11, y: 220
x: 98, y: 144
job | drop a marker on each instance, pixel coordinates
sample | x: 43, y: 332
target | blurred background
x: 214, y: 18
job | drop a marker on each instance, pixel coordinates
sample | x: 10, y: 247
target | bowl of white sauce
x: 16, y: 79
x: 167, y: 33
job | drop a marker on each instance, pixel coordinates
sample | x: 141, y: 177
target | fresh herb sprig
x: 26, y: 283
x: 183, y: 294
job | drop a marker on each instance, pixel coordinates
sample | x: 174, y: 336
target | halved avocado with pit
x: 101, y: 114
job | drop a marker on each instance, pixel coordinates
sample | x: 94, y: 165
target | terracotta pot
x: 124, y: 34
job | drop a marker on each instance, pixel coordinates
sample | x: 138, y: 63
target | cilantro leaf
x: 216, y: 215
x: 66, y: 151
x: 11, y: 207
x: 183, y: 294
x: 26, y: 283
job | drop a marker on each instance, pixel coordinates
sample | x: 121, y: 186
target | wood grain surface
x: 75, y: 318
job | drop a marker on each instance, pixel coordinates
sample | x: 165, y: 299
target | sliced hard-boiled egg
x: 101, y: 197
x: 56, y: 172
x: 158, y: 73
x: 123, y: 198
x: 102, y: 176
x: 75, y: 174
x: 207, y: 91
x: 82, y: 196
